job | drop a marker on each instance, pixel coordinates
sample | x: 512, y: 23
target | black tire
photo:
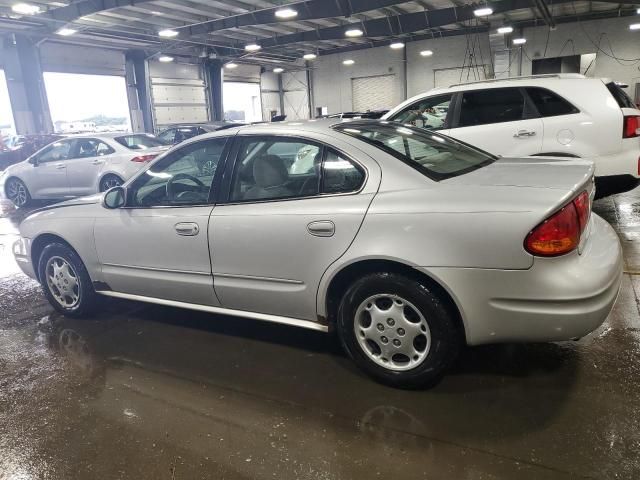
x: 87, y: 297
x: 110, y: 181
x: 437, y: 320
x: 17, y: 192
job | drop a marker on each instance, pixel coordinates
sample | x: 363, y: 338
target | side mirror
x: 114, y: 198
x: 33, y: 161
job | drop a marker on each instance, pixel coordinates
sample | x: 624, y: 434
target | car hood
x: 537, y: 172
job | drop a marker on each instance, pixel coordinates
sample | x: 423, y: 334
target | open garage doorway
x: 87, y: 103
x: 242, y: 102
x: 7, y: 125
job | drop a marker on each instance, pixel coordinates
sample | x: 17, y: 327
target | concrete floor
x: 148, y: 392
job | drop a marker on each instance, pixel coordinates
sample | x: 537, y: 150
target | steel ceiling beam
x: 307, y: 10
x: 400, y: 24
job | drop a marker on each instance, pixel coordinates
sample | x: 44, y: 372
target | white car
x: 78, y: 165
x: 564, y: 115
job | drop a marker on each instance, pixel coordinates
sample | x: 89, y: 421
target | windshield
x: 139, y: 142
x: 436, y: 156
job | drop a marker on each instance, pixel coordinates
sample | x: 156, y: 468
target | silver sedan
x: 408, y: 243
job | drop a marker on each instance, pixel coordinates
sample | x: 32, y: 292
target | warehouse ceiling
x: 224, y: 28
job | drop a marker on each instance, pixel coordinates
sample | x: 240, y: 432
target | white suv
x: 564, y: 115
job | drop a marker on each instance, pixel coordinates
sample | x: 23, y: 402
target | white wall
x: 577, y: 39
x: 332, y: 79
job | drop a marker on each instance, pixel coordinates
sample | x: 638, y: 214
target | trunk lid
x: 537, y: 172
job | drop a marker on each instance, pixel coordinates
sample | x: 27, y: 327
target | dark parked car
x: 179, y: 133
x: 15, y: 148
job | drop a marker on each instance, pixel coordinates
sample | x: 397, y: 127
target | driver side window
x: 182, y: 178
x: 428, y: 113
x: 55, y: 152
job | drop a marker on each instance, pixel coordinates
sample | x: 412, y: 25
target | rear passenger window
x: 496, y: 105
x: 339, y: 175
x: 549, y: 104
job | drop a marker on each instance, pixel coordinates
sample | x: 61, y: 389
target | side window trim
x: 214, y: 194
x: 233, y: 157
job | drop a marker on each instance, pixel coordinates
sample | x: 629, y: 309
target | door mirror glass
x: 114, y: 198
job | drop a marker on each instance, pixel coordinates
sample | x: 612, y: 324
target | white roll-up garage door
x: 178, y: 94
x: 374, y: 93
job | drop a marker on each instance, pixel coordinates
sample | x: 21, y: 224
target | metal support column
x: 281, y: 94
x: 214, y: 75
x: 138, y: 90
x: 312, y: 106
x: 26, y: 85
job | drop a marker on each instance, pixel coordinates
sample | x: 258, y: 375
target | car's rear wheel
x: 397, y: 330
x: 17, y: 192
x: 110, y: 181
x: 65, y: 281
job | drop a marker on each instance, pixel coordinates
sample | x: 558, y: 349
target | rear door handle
x: 524, y: 134
x: 187, y: 229
x: 322, y: 228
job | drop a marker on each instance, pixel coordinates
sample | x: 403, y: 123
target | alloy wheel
x: 392, y: 332
x: 110, y: 182
x: 63, y: 282
x: 17, y: 193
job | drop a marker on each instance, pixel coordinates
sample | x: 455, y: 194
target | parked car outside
x: 179, y: 133
x: 372, y: 114
x: 409, y: 243
x: 15, y: 148
x: 564, y: 115
x: 78, y: 165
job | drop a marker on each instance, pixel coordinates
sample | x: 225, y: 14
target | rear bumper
x: 556, y: 299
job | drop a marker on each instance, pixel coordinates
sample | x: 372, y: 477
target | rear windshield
x: 436, y: 156
x: 621, y: 96
x: 140, y: 141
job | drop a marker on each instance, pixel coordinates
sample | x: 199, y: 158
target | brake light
x: 631, y: 127
x: 560, y: 233
x: 143, y: 158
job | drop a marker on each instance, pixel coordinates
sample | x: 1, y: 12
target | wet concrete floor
x: 148, y: 392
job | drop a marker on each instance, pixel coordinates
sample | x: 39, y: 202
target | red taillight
x: 143, y: 158
x: 560, y: 233
x: 631, y: 127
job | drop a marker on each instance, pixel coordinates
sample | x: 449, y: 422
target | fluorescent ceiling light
x: 634, y: 26
x: 638, y: 11
x: 165, y: 58
x: 231, y: 65
x: 504, y: 30
x: 65, y: 32
x: 519, y: 41
x: 25, y: 9
x: 286, y: 13
x: 168, y: 33
x: 278, y: 70
x: 354, y: 32
x: 252, y: 47
x: 309, y: 56
x: 426, y: 53
x: 483, y: 12
x: 397, y: 45
x: 348, y: 62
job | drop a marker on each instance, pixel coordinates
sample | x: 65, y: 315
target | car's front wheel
x: 110, y: 181
x: 397, y: 330
x: 17, y: 192
x: 65, y: 281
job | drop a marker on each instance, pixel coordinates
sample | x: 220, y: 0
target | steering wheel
x: 181, y: 176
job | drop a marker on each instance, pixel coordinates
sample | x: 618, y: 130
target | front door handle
x: 60, y: 166
x: 322, y: 228
x: 97, y: 162
x: 524, y: 134
x: 187, y: 229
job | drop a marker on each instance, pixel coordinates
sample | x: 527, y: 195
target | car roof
x: 214, y: 125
